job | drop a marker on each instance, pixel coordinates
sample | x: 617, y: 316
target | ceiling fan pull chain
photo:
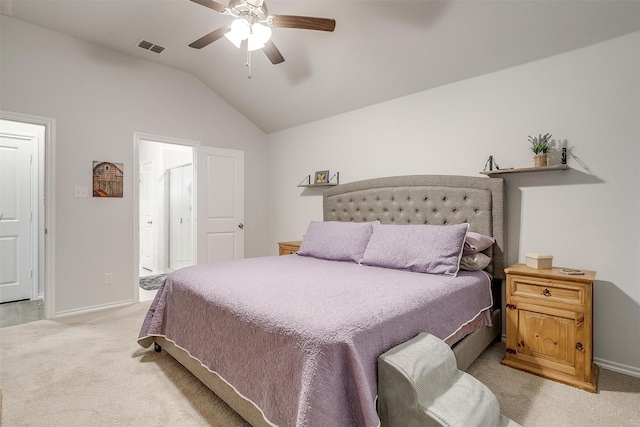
x: 248, y: 64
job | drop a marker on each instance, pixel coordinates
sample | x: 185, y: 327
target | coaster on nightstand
x: 571, y: 271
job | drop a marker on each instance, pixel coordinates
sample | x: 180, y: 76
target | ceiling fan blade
x: 210, y: 38
x: 211, y: 5
x: 303, y: 22
x: 272, y: 53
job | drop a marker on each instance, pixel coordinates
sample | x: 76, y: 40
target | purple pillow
x: 476, y: 242
x: 426, y: 248
x: 336, y: 241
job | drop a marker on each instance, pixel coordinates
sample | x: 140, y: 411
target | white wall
x: 99, y: 98
x: 586, y: 217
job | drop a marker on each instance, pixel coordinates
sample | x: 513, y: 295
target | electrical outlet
x: 108, y: 278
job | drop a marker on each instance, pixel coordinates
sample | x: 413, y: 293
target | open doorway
x: 211, y: 189
x: 166, y: 214
x: 22, y: 222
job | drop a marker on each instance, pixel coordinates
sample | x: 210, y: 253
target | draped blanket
x: 300, y: 336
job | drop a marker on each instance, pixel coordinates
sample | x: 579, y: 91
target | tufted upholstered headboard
x: 426, y: 199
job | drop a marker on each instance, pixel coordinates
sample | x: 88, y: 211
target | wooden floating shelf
x: 539, y: 169
x: 306, y: 183
x: 329, y: 184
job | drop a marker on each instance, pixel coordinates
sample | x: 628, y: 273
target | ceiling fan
x: 252, y: 22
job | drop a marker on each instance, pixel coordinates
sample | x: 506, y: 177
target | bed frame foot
x: 157, y: 347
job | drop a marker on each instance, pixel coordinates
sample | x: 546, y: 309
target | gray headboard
x: 426, y: 199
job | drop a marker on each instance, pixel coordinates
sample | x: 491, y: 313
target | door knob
x: 149, y: 222
x: 241, y: 226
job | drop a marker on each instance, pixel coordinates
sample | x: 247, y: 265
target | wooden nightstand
x: 549, y: 329
x: 288, y: 248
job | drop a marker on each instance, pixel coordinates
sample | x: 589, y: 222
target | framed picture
x: 322, y: 177
x: 107, y: 179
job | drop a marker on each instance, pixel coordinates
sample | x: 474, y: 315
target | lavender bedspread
x: 300, y: 336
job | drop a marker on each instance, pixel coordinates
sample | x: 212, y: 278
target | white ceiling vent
x: 147, y: 45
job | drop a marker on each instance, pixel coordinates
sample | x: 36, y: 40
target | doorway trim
x: 49, y: 203
x: 137, y: 137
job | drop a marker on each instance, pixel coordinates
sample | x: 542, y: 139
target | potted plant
x: 540, y: 147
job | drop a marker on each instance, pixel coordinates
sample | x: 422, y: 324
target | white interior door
x: 146, y: 215
x: 220, y: 204
x: 15, y: 217
x: 180, y: 213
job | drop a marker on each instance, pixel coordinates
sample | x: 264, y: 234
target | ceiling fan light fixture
x: 240, y: 31
x: 254, y: 45
x: 260, y: 34
x: 252, y: 22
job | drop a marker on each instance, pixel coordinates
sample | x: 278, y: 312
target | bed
x: 311, y: 327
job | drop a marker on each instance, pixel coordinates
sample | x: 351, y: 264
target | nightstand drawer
x: 558, y: 292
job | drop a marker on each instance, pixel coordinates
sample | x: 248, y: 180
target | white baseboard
x: 618, y: 367
x: 93, y: 308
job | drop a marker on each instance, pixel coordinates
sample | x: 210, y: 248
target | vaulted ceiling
x: 380, y: 50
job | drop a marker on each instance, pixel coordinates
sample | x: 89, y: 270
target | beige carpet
x: 534, y: 401
x: 88, y: 370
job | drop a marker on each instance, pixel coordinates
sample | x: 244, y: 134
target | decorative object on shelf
x: 563, y: 156
x: 322, y: 177
x: 540, y: 147
x: 321, y: 180
x: 490, y: 164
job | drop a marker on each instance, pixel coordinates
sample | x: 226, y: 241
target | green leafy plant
x: 540, y: 144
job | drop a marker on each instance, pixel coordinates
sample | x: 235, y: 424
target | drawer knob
x: 546, y: 293
x: 579, y: 346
